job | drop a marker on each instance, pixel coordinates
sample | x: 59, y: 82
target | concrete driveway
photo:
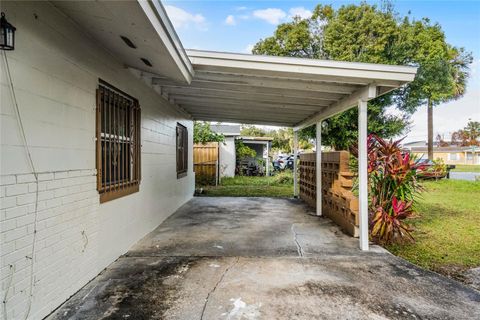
x: 263, y: 258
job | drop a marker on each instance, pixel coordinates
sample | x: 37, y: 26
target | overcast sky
x: 234, y: 26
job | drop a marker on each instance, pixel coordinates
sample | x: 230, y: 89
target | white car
x: 280, y: 162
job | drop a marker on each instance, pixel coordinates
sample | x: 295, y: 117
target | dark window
x: 182, y: 150
x: 118, y: 143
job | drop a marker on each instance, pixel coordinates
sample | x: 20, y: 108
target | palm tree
x: 459, y: 61
x: 472, y: 133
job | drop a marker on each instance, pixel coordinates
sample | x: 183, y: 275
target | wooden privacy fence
x: 205, y: 163
x: 338, y: 201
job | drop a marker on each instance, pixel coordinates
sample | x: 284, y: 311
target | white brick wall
x: 67, y: 216
x: 55, y: 70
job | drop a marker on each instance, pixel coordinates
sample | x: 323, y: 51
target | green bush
x: 284, y: 177
x: 437, y: 171
x: 204, y: 180
x: 392, y: 181
x: 243, y: 151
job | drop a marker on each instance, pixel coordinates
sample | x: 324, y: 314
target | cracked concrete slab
x: 226, y: 226
x: 252, y: 258
x: 472, y: 277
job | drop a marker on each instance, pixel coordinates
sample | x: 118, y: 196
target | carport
x: 262, y: 258
x: 282, y: 91
x: 209, y: 258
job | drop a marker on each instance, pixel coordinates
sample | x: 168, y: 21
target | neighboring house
x: 419, y: 143
x: 97, y: 104
x: 262, y: 146
x: 450, y: 154
x: 227, y: 148
x: 227, y: 154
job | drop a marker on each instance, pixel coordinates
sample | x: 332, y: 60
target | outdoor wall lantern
x: 7, y: 41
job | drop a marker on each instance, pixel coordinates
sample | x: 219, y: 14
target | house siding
x: 445, y: 156
x: 227, y: 157
x: 55, y: 69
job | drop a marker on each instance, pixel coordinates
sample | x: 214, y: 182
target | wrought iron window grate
x: 118, y: 143
x: 182, y: 150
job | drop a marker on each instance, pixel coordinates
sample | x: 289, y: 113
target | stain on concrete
x: 146, y: 294
x: 250, y: 258
x: 243, y: 227
x: 372, y: 305
x: 241, y: 310
x: 133, y: 291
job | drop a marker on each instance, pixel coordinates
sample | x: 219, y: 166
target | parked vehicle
x: 429, y: 169
x: 280, y: 163
x: 284, y: 162
x: 290, y: 160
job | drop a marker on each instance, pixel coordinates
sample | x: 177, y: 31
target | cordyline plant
x: 392, y: 180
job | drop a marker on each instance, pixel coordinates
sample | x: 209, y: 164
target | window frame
x: 453, y: 156
x: 122, y: 138
x: 183, y: 131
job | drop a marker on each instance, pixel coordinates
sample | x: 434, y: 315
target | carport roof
x: 293, y: 92
x: 229, y: 87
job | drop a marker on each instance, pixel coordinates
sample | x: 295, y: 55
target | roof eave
x: 158, y: 17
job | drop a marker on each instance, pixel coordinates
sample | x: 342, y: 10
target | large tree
x: 203, y: 133
x: 442, y: 70
x: 366, y: 33
x: 468, y: 136
x: 252, y: 131
x: 282, y: 137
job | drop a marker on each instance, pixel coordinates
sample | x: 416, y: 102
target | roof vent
x: 128, y: 42
x: 148, y: 63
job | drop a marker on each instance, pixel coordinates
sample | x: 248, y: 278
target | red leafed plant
x: 393, y: 185
x: 388, y: 226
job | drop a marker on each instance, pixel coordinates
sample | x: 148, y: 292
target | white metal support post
x: 318, y: 169
x: 362, y: 174
x: 295, y: 154
x: 267, y: 162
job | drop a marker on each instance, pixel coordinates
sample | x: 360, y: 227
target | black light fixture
x: 7, y: 41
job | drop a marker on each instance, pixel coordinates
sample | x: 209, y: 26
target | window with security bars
x: 118, y: 143
x: 182, y: 150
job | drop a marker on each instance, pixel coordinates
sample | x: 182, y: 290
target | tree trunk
x: 430, y: 129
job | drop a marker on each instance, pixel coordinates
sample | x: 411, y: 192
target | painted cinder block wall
x: 227, y: 157
x: 55, y: 70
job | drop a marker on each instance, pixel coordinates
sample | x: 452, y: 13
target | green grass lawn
x: 280, y: 185
x: 466, y: 168
x: 447, y: 229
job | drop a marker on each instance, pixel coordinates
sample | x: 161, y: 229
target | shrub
x: 284, y: 177
x: 392, y: 181
x: 439, y: 167
x: 204, y: 180
x: 243, y: 151
x: 436, y: 171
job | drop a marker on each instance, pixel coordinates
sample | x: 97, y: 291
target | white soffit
x: 293, y: 92
x: 145, y: 23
